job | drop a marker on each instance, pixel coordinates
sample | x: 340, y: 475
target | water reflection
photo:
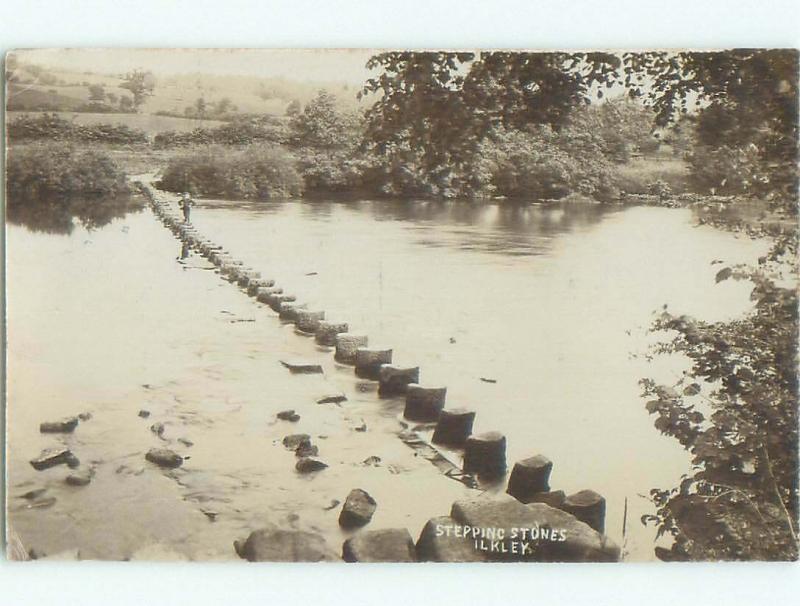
x: 59, y: 215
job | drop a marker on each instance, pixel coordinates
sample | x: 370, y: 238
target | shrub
x: 258, y: 171
x: 55, y: 128
x: 54, y: 169
x: 241, y: 131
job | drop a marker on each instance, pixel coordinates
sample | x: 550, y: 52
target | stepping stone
x: 453, y: 427
x: 485, y: 454
x: 288, y: 415
x: 529, y: 477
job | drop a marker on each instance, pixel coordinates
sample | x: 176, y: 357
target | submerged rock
x: 390, y: 545
x: 81, y: 477
x: 302, y: 367
x: 85, y: 416
x: 288, y: 415
x: 164, y: 457
x: 50, y: 457
x: 66, y: 425
x: 274, y: 545
x: 309, y: 465
x: 357, y: 510
x: 332, y: 399
x: 158, y: 429
x: 144, y: 413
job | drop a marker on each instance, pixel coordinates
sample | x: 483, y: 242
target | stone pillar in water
x: 264, y: 294
x: 454, y: 427
x: 369, y: 361
x: 288, y: 310
x: 327, y: 331
x: 276, y: 301
x: 588, y: 507
x: 255, y: 284
x: 424, y: 403
x: 530, y: 477
x: 346, y: 346
x: 308, y: 320
x: 485, y: 454
x: 394, y: 380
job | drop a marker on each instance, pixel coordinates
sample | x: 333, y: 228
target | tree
x: 126, y: 104
x: 746, y: 98
x: 97, y: 92
x: 200, y: 108
x: 141, y: 85
x: 740, y: 500
x: 294, y: 108
x: 320, y: 125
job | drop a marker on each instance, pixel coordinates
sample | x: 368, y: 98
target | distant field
x: 149, y: 123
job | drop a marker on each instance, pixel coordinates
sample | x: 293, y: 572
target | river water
x: 550, y: 303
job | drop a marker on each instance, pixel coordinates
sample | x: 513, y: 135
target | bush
x: 55, y: 128
x: 52, y: 169
x: 241, y: 131
x: 258, y: 171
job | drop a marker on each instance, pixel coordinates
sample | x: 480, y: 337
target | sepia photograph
x: 388, y: 305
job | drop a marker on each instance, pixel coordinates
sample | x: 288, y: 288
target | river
x: 551, y: 303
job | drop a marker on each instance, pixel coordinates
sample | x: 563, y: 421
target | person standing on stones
x: 186, y: 204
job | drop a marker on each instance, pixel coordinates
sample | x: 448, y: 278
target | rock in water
x: 288, y: 415
x: 332, y: 399
x: 302, y: 367
x: 309, y: 465
x: 50, y: 457
x: 390, y: 545
x: 439, y: 542
x: 274, y: 545
x: 66, y: 425
x: 79, y: 478
x: 293, y: 441
x: 357, y: 509
x: 306, y: 449
x: 164, y: 457
x: 485, y: 454
x: 553, y: 535
x: 158, y: 429
x: 144, y: 413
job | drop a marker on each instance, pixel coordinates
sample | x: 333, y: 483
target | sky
x: 309, y: 65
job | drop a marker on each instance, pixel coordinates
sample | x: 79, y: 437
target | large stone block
x: 534, y: 532
x: 391, y: 545
x: 444, y: 540
x: 273, y: 545
x: 357, y: 510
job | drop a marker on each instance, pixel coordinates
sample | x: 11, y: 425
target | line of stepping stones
x: 484, y: 454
